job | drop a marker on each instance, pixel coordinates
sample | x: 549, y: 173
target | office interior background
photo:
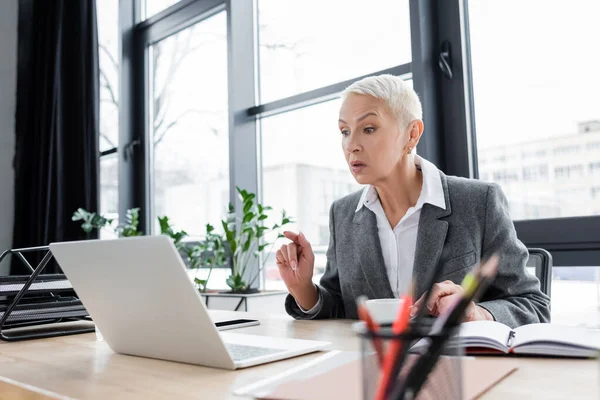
x: 200, y: 96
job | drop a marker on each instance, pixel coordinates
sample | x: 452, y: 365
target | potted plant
x: 246, y: 239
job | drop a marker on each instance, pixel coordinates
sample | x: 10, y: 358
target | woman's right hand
x: 296, y: 262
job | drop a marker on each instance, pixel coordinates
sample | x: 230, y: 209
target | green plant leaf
x: 130, y: 225
x: 236, y: 282
x: 248, y: 242
x: 91, y: 220
x: 260, y: 230
x: 200, y: 282
x: 262, y: 247
x: 248, y: 217
x: 230, y: 282
x: 247, y: 206
x: 167, y: 229
x: 262, y: 217
x: 87, y: 227
x: 81, y: 214
x: 228, y: 232
x: 164, y: 224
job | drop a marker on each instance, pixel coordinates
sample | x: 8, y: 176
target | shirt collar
x: 432, y: 191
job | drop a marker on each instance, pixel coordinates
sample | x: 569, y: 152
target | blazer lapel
x: 368, y: 246
x: 430, y: 241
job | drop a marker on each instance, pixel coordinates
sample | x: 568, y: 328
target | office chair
x: 540, y: 260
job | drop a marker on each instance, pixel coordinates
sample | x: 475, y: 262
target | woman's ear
x: 415, y: 130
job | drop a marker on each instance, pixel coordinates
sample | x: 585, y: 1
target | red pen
x: 399, y: 326
x: 372, y: 326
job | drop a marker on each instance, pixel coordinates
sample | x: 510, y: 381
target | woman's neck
x: 400, y: 191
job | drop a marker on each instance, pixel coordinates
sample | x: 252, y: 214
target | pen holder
x: 425, y: 366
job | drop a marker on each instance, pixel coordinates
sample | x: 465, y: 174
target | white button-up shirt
x: 398, y: 244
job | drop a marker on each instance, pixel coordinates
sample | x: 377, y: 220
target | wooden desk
x: 81, y: 367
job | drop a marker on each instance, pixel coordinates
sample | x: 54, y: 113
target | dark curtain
x: 56, y: 158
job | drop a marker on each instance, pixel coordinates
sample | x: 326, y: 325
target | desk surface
x: 79, y: 366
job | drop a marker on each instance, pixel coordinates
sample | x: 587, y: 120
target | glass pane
x: 108, y: 53
x: 537, y: 103
x: 109, y: 193
x: 576, y: 296
x: 153, y: 7
x: 304, y: 45
x: 190, y: 130
x: 304, y: 178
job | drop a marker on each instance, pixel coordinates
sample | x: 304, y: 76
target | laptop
x: 140, y: 296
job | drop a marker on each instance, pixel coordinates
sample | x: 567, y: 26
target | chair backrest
x: 540, y: 262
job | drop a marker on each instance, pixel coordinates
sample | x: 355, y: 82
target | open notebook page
x: 485, y: 334
x: 550, y: 336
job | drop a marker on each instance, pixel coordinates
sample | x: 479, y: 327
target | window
x: 568, y: 171
x: 108, y: 53
x: 109, y: 192
x: 535, y: 173
x: 312, y: 49
x: 189, y: 129
x: 594, y: 167
x: 589, y: 126
x: 153, y: 7
x: 303, y: 54
x: 107, y: 12
x: 566, y: 150
x: 522, y: 79
x: 532, y: 154
x: 583, y: 284
x: 505, y: 176
x: 304, y: 45
x: 593, y: 146
x: 303, y: 166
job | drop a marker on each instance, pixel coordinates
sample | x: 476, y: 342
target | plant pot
x: 271, y: 301
x: 247, y: 291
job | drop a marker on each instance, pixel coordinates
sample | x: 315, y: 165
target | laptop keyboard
x: 241, y: 352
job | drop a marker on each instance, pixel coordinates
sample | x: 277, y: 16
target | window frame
x: 572, y: 241
x: 449, y: 140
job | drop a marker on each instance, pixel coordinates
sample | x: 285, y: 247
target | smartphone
x: 236, y: 323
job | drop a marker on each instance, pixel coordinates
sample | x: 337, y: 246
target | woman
x: 408, y: 217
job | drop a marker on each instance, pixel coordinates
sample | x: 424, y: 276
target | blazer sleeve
x: 515, y: 297
x: 329, y: 288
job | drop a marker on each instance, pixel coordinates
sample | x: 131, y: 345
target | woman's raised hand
x: 296, y: 262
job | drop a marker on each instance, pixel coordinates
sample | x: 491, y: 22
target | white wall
x: 8, y: 79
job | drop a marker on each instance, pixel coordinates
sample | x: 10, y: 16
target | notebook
x: 491, y: 337
x: 337, y: 375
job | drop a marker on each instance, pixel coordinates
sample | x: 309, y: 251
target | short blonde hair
x: 399, y: 96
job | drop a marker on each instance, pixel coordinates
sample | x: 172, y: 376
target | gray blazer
x: 475, y: 224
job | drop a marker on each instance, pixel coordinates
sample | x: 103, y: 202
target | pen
x: 474, y: 286
x: 392, y: 361
x: 372, y: 326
